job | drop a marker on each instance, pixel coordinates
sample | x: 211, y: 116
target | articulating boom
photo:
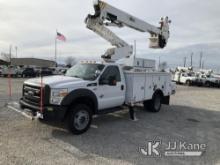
x: 107, y: 15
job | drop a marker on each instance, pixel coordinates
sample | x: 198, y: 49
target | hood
x: 57, y: 81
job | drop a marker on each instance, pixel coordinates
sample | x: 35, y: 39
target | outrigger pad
x: 132, y: 114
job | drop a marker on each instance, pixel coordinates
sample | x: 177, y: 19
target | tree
x: 70, y: 61
x: 5, y: 57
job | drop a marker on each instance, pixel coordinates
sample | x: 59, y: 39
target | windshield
x: 85, y: 71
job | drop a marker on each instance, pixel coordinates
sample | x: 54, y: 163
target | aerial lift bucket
x: 154, y: 42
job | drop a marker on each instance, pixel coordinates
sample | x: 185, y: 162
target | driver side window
x: 110, y: 73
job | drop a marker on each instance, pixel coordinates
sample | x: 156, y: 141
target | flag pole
x: 56, y: 48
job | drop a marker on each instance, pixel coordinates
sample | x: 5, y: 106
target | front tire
x: 80, y: 119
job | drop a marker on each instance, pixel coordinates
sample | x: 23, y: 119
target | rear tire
x: 80, y: 119
x: 154, y: 105
x: 207, y: 84
x: 188, y: 83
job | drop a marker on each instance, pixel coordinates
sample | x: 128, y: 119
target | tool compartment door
x: 135, y: 83
x: 148, y: 86
x: 139, y: 87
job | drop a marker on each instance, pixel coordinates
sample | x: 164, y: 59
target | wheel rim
x: 208, y: 84
x: 81, y: 120
x: 157, y: 102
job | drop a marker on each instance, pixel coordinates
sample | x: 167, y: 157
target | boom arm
x: 107, y: 15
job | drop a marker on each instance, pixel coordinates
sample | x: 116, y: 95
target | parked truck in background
x: 184, y: 75
x: 184, y: 78
x: 13, y: 71
x: 207, y: 80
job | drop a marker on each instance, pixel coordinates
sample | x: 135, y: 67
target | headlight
x: 57, y: 95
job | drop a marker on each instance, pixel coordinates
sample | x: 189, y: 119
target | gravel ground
x: 193, y: 116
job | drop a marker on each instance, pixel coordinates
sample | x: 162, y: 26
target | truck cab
x: 187, y: 78
x: 99, y: 86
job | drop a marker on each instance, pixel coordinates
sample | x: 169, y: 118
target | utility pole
x: 203, y: 64
x: 192, y: 59
x: 16, y: 51
x: 200, y: 62
x: 10, y: 56
x: 55, y: 58
x: 184, y: 61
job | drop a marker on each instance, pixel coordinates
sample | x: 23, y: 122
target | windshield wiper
x: 87, y: 79
x: 83, y: 78
x: 77, y: 77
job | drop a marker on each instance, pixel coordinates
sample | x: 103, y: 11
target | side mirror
x: 97, y: 73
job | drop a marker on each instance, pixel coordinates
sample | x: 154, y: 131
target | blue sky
x: 31, y: 25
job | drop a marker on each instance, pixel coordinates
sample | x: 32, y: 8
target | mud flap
x: 166, y: 100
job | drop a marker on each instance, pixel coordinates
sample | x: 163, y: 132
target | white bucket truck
x: 91, y: 88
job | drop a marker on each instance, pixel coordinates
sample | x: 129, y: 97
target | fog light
x: 50, y: 109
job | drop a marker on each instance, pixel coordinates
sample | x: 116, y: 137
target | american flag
x: 60, y: 37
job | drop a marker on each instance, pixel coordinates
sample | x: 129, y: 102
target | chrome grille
x: 32, y: 94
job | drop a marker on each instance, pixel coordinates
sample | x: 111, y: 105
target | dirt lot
x: 194, y: 117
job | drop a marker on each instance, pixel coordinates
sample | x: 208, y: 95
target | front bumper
x: 48, y: 111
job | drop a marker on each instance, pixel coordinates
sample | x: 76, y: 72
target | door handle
x: 122, y: 87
